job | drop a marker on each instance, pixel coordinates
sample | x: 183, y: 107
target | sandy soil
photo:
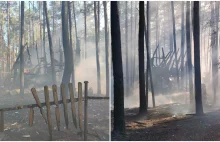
x: 161, y: 124
x: 17, y: 128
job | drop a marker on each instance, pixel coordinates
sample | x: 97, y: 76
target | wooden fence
x: 56, y: 102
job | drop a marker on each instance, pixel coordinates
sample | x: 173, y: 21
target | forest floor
x: 17, y: 129
x: 164, y: 123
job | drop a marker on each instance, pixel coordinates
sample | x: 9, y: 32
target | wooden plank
x: 57, y: 111
x: 31, y: 117
x: 85, y: 110
x: 47, y: 100
x: 80, y: 106
x: 97, y: 98
x: 2, y: 122
x: 62, y: 89
x: 34, y: 92
x: 73, y: 107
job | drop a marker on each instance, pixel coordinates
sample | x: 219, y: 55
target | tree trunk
x: 214, y: 45
x: 149, y: 70
x: 182, y: 45
x: 97, y: 51
x: 21, y: 50
x: 68, y: 52
x: 119, y: 121
x: 71, y: 46
x: 142, y: 94
x: 8, y: 33
x: 45, y: 58
x: 85, y: 34
x: 196, y: 36
x: 174, y: 40
x: 126, y: 48
x: 77, y: 40
x: 50, y: 44
x: 106, y: 47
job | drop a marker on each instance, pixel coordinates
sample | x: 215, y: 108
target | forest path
x: 161, y: 124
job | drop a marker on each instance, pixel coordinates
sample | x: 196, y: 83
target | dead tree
x: 119, y: 121
x: 142, y: 99
x: 196, y: 36
x: 50, y: 43
x: 8, y: 34
x: 22, y: 50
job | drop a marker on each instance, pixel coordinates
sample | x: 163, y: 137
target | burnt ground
x: 17, y: 128
x: 161, y: 125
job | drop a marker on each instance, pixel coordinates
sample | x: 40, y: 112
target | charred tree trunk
x: 174, y: 41
x: 189, y: 57
x: 50, y: 44
x: 21, y: 50
x: 97, y: 51
x: 196, y: 36
x: 142, y: 94
x: 119, y: 121
x: 68, y: 52
x: 106, y: 47
x: 71, y: 45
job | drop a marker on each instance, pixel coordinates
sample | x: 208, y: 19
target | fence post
x: 85, y: 110
x: 80, y: 106
x: 34, y: 92
x: 31, y: 116
x: 57, y: 111
x: 2, y: 122
x: 62, y: 88
x: 73, y: 108
x: 47, y: 100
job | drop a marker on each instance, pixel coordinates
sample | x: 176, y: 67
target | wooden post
x: 62, y: 86
x: 31, y: 116
x: 47, y: 101
x: 57, y: 111
x: 2, y: 122
x: 85, y: 110
x: 34, y: 92
x: 72, y: 104
x: 80, y: 105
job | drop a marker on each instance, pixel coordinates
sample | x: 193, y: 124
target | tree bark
x: 196, y: 36
x: 142, y: 107
x: 126, y: 48
x: 119, y: 121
